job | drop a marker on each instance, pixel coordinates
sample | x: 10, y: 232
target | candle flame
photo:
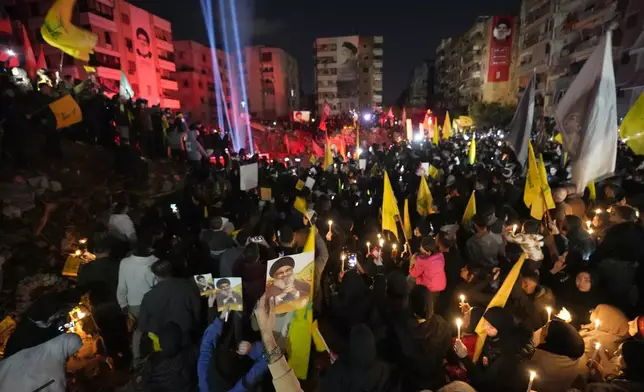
x: 462, y: 298
x: 382, y: 243
x: 459, y: 322
x: 78, y: 252
x: 597, y: 345
x: 533, y: 375
x: 368, y: 244
x: 394, y: 246
x: 597, y: 322
x: 379, y: 236
x: 83, y: 240
x: 588, y: 223
x: 564, y: 315
x: 598, y: 211
x: 330, y: 222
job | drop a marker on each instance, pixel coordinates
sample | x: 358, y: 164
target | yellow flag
x: 318, y: 339
x: 433, y: 172
x: 470, y: 210
x: 389, y: 208
x: 67, y: 112
x: 632, y: 128
x: 58, y: 31
x: 471, y: 156
x: 328, y: 156
x: 592, y: 192
x: 205, y: 211
x: 465, y: 121
x: 299, y: 332
x: 407, y: 222
x: 424, y: 201
x: 436, y: 135
x: 313, y: 160
x: 300, y: 185
x: 545, y: 187
x: 357, y: 127
x: 559, y: 138
x: 447, y: 127
x: 300, y: 205
x: 156, y: 346
x: 499, y: 300
x: 533, y: 193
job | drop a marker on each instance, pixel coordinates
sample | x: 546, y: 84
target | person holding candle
x: 453, y: 264
x: 630, y: 377
x: 428, y: 266
x: 502, y: 364
x: 610, y: 331
x: 580, y: 296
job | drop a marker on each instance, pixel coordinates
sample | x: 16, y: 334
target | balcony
x: 170, y: 103
x: 167, y: 65
x: 169, y: 84
x: 165, y: 45
x: 537, y: 17
x: 100, y: 21
x: 377, y: 64
x: 591, y: 16
x: 533, y: 40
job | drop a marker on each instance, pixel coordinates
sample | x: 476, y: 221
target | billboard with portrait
x: 301, y: 116
x: 501, y: 40
x: 289, y: 281
x: 347, y: 55
x: 143, y: 37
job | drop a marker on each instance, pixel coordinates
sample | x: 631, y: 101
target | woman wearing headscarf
x: 579, y: 297
x: 358, y: 370
x: 230, y: 358
x: 608, y: 327
x: 352, y: 305
x: 559, y: 358
x: 424, y: 339
x: 42, y: 365
x: 501, y: 365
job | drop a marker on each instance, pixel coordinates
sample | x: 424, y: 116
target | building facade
x: 272, y: 79
x: 479, y: 65
x: 420, y: 92
x: 196, y: 79
x: 348, y: 72
x: 630, y: 60
x: 129, y: 39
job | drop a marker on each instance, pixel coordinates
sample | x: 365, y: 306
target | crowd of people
x: 572, y: 319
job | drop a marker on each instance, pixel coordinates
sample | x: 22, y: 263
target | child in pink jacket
x: 428, y: 266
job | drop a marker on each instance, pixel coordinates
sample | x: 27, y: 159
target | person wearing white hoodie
x: 135, y: 279
x: 120, y: 224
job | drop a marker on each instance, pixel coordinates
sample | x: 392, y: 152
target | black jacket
x: 171, y: 299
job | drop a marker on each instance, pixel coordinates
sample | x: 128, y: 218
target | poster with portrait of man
x: 144, y: 50
x: 228, y: 294
x: 301, y: 116
x: 289, y: 281
x: 204, y: 283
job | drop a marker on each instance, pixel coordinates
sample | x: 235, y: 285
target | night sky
x: 411, y: 29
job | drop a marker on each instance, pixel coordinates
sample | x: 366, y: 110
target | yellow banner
x: 389, y: 208
x: 470, y: 210
x: 632, y: 128
x: 58, y: 31
x: 67, y: 112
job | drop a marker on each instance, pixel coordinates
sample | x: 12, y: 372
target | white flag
x: 521, y: 125
x: 587, y: 118
x: 248, y: 176
x: 125, y: 88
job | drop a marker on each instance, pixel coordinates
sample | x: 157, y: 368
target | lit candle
x: 564, y: 315
x: 368, y: 247
x: 379, y: 236
x: 549, y: 310
x: 588, y: 223
x: 330, y: 224
x: 82, y: 241
x: 394, y: 252
x: 78, y: 252
x: 459, y: 323
x: 597, y: 322
x: 514, y: 228
x: 532, y: 377
x: 598, y: 211
x: 462, y: 298
x: 382, y: 243
x: 597, y: 347
x: 342, y: 257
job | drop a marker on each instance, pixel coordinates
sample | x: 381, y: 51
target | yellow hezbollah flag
x: 407, y: 223
x: 357, y: 127
x: 318, y: 339
x: 465, y: 121
x: 433, y: 171
x: 632, y: 128
x: 471, y: 156
x: 545, y: 187
x: 389, y: 208
x: 300, y: 185
x: 328, y: 156
x: 470, y: 210
x: 447, y: 127
x: 533, y: 193
x: 300, y: 205
x: 299, y: 332
x: 499, y: 300
x: 58, y: 31
x: 424, y: 200
x: 67, y: 112
x: 592, y: 192
x: 436, y: 134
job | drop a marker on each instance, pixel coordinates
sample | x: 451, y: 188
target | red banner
x: 500, y: 49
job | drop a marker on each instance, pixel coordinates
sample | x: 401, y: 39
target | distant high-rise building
x: 272, y: 82
x: 195, y: 75
x: 630, y: 60
x: 129, y: 39
x: 479, y: 65
x: 348, y: 72
x: 421, y: 86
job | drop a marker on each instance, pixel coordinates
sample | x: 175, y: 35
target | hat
x: 222, y: 281
x: 563, y: 339
x: 282, y: 262
x: 500, y: 318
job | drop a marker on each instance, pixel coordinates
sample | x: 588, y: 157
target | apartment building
x: 479, y: 65
x: 348, y: 72
x: 196, y: 78
x: 272, y: 79
x: 630, y: 60
x: 129, y: 39
x: 420, y: 91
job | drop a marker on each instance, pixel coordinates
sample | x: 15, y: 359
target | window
x: 125, y: 18
x: 108, y: 38
x: 631, y: 21
x: 186, y: 84
x: 128, y: 45
x: 365, y: 70
x: 131, y: 67
x: 267, y: 57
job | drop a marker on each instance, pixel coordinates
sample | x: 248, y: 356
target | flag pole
x: 60, y: 68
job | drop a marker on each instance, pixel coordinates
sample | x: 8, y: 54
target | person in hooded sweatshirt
x: 42, y: 365
x: 428, y: 266
x: 352, y: 305
x: 173, y: 369
x: 608, y: 327
x: 559, y: 358
x: 501, y: 365
x: 230, y: 356
x: 359, y: 370
x: 424, y: 339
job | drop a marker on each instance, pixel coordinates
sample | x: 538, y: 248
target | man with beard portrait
x: 286, y: 287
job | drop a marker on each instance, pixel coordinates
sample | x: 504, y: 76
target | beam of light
x: 233, y: 11
x: 233, y: 86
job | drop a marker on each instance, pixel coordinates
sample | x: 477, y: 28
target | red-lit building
x: 129, y: 39
x: 195, y: 76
